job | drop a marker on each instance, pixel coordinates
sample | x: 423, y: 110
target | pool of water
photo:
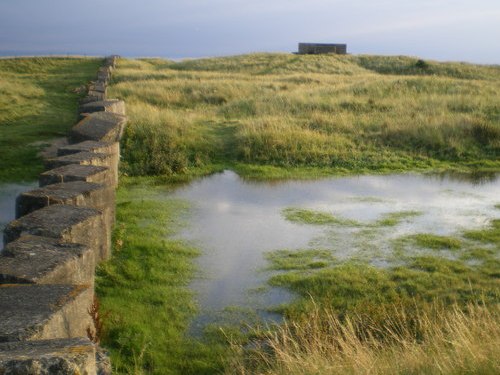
x: 234, y: 222
x: 8, y: 195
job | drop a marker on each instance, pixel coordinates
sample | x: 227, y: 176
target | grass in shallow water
x: 306, y: 216
x: 144, y: 291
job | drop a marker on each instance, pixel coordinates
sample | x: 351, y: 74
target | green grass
x: 143, y: 290
x: 299, y: 259
x: 355, y: 286
x: 436, y: 242
x: 392, y: 219
x: 39, y: 102
x: 488, y: 235
x: 279, y: 115
x: 305, y: 216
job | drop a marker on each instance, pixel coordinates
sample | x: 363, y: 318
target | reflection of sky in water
x: 234, y: 222
x: 8, y: 195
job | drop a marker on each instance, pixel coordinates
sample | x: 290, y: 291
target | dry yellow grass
x: 433, y: 340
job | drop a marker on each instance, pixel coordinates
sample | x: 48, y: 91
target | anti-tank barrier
x: 61, y: 232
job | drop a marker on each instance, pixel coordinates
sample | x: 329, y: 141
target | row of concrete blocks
x: 62, y: 230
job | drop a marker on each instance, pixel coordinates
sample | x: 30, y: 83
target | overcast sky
x: 465, y: 30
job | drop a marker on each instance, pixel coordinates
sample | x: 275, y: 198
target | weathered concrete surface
x: 42, y: 260
x: 111, y: 61
x: 110, y: 105
x: 104, y: 74
x: 82, y: 158
x: 76, y: 172
x: 48, y: 357
x: 322, y: 48
x: 38, y: 312
x: 99, y: 126
x: 90, y: 146
x: 78, y: 193
x: 112, y: 149
x: 93, y: 96
x: 98, y: 86
x: 82, y: 225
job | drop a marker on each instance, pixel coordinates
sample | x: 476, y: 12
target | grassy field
x: 275, y: 116
x: 38, y: 101
x: 265, y: 114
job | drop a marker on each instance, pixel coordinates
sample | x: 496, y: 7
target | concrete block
x: 78, y: 193
x: 112, y: 149
x: 40, y: 312
x: 104, y: 74
x: 111, y: 61
x: 94, y: 96
x: 76, y: 172
x: 48, y: 357
x: 68, y: 223
x: 42, y: 260
x: 110, y: 105
x: 99, y: 126
x: 82, y: 158
x: 98, y: 87
x: 90, y: 146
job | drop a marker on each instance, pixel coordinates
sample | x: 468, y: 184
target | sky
x: 448, y: 30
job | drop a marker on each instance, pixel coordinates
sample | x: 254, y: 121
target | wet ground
x: 235, y: 222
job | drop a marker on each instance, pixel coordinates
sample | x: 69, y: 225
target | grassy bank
x: 39, y: 101
x: 266, y: 114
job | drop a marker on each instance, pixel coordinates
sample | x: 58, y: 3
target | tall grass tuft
x: 429, y: 339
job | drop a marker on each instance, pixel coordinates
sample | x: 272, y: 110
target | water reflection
x: 8, y: 195
x: 234, y: 222
x: 474, y: 178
